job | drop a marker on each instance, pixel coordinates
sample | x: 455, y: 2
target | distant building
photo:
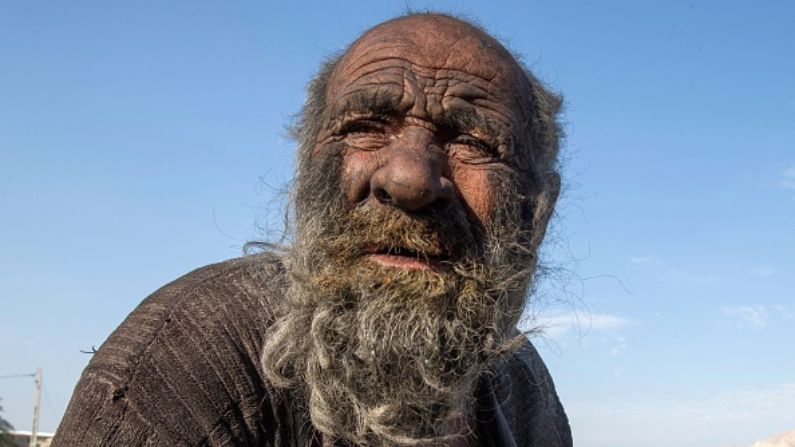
x: 22, y: 438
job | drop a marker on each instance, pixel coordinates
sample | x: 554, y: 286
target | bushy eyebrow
x: 385, y: 101
x: 379, y: 101
x: 468, y: 120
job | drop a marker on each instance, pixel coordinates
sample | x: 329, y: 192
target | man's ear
x: 544, y: 206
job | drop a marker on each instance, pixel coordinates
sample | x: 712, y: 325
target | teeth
x: 400, y: 251
x: 403, y: 251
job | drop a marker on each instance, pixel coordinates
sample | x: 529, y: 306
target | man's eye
x: 475, y: 144
x: 470, y: 150
x: 367, y: 134
x: 364, y: 126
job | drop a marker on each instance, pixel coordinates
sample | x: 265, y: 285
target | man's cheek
x: 476, y: 191
x: 357, y: 170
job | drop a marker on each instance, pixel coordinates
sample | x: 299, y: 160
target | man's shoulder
x: 183, y: 368
x: 233, y: 300
x: 240, y: 292
x: 227, y: 305
x: 260, y: 274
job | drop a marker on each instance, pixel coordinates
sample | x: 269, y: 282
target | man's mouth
x: 400, y: 257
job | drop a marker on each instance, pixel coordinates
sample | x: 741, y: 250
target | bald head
x: 431, y: 43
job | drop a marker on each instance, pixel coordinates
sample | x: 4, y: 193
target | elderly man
x: 425, y: 181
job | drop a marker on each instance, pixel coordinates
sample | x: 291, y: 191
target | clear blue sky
x: 140, y: 140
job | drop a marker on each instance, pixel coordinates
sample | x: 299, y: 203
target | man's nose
x: 411, y: 178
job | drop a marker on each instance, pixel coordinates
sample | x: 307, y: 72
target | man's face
x: 415, y: 233
x: 424, y: 116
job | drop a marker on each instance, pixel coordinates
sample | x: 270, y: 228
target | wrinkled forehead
x: 429, y: 44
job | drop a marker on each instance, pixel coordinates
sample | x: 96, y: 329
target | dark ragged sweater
x: 183, y: 370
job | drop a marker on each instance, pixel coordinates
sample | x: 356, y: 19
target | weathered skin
x: 450, y: 103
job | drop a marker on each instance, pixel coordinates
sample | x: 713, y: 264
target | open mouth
x: 401, y: 257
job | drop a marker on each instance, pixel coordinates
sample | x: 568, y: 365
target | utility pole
x: 34, y: 441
